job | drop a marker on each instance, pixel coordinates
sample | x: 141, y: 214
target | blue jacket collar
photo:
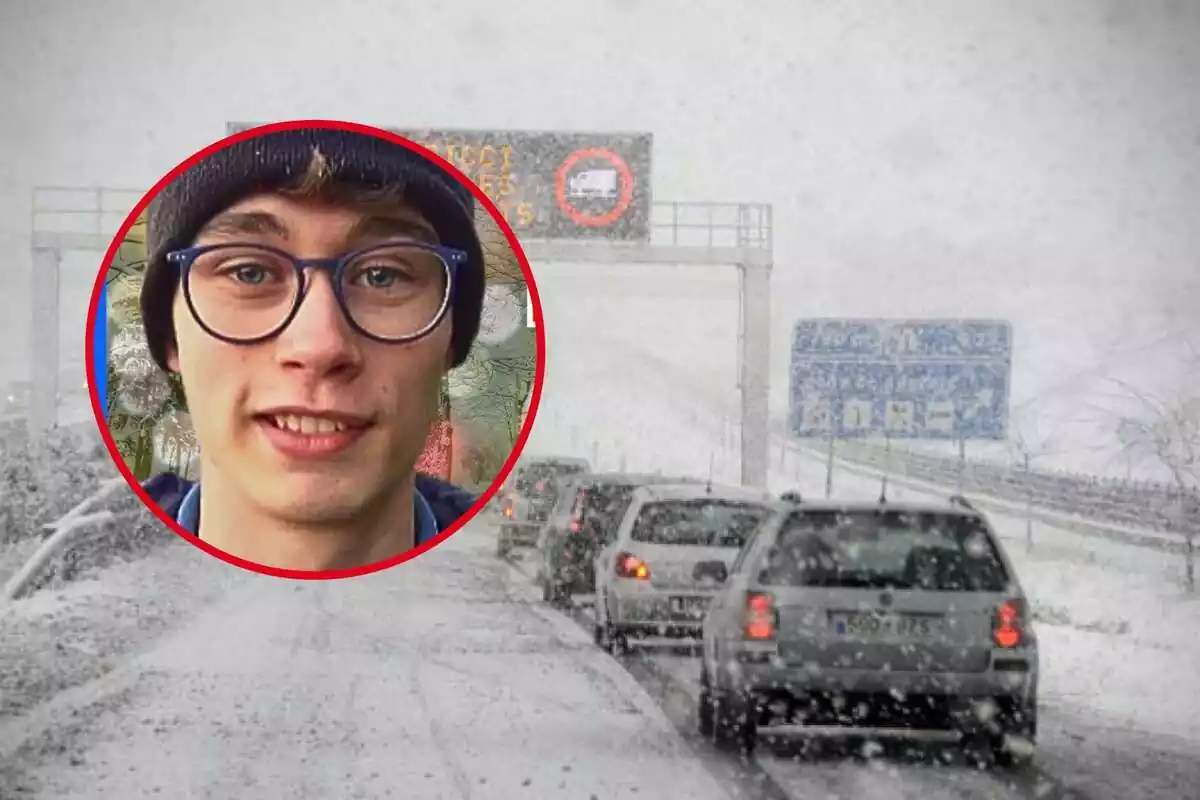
x: 424, y: 522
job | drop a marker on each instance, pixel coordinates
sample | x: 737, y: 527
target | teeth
x: 307, y: 425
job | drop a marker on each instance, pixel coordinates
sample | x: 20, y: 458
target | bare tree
x: 1168, y: 431
x: 1032, y: 438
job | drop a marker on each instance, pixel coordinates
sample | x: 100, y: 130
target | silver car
x: 873, y: 619
x: 646, y: 579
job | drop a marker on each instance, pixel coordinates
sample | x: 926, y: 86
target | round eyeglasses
x: 247, y: 293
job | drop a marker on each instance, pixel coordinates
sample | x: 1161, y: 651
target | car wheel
x: 503, y: 546
x: 619, y: 640
x: 1022, y: 727
x: 734, y: 729
x: 704, y: 712
x: 601, y: 629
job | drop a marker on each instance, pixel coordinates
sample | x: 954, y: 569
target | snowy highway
x: 449, y: 678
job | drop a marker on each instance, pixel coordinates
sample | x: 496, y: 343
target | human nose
x: 319, y: 339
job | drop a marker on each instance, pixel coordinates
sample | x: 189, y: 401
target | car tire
x: 733, y: 732
x: 552, y: 593
x: 619, y: 641
x: 1025, y: 727
x: 602, y: 629
x: 503, y: 546
x: 705, y: 711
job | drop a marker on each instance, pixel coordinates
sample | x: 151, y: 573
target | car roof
x: 631, y: 479
x: 951, y: 506
x: 554, y: 461
x: 696, y: 491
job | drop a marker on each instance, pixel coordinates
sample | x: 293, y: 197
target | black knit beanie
x: 274, y: 160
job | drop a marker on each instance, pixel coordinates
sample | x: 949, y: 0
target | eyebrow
x: 235, y: 223
x: 383, y: 226
x: 258, y: 223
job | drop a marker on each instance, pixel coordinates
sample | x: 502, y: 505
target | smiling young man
x: 312, y: 287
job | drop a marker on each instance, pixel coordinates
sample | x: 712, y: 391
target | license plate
x: 689, y: 606
x: 885, y: 625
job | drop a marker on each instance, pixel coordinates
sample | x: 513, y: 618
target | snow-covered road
x: 442, y: 678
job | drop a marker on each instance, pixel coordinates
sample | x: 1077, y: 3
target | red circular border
x: 594, y: 220
x: 539, y: 370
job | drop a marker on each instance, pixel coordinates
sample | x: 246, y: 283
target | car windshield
x: 927, y: 551
x: 703, y: 523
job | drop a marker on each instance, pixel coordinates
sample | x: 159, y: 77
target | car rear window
x: 537, y: 479
x: 927, y: 551
x: 605, y: 505
x: 704, y: 523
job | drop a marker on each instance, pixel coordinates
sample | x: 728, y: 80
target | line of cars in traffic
x: 866, y: 618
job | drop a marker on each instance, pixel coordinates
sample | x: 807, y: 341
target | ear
x: 173, y: 358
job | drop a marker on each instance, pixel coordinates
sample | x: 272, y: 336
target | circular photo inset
x: 314, y: 351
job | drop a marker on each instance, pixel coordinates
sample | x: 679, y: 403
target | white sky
x: 1029, y: 160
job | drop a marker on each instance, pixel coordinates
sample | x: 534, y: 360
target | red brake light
x: 541, y: 487
x: 630, y: 566
x: 1006, y: 630
x: 762, y: 619
x: 577, y: 512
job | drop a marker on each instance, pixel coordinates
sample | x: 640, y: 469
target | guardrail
x: 711, y: 225
x: 1144, y: 505
x: 1149, y: 505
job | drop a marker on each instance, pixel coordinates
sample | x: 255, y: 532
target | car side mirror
x: 713, y: 571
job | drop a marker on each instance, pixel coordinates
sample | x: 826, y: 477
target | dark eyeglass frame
x: 451, y: 259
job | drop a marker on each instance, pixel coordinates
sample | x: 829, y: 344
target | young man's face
x: 318, y: 367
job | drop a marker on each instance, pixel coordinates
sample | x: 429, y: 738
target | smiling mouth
x: 298, y: 435
x: 311, y: 426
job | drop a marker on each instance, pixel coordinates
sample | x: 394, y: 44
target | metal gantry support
x: 737, y: 235
x: 65, y: 219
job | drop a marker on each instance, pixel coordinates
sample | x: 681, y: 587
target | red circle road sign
x: 623, y: 201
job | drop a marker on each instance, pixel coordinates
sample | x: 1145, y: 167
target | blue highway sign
x: 910, y: 379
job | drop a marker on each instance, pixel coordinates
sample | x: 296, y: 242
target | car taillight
x: 577, y: 517
x: 508, y: 507
x: 1007, y: 625
x: 762, y: 619
x: 630, y: 566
